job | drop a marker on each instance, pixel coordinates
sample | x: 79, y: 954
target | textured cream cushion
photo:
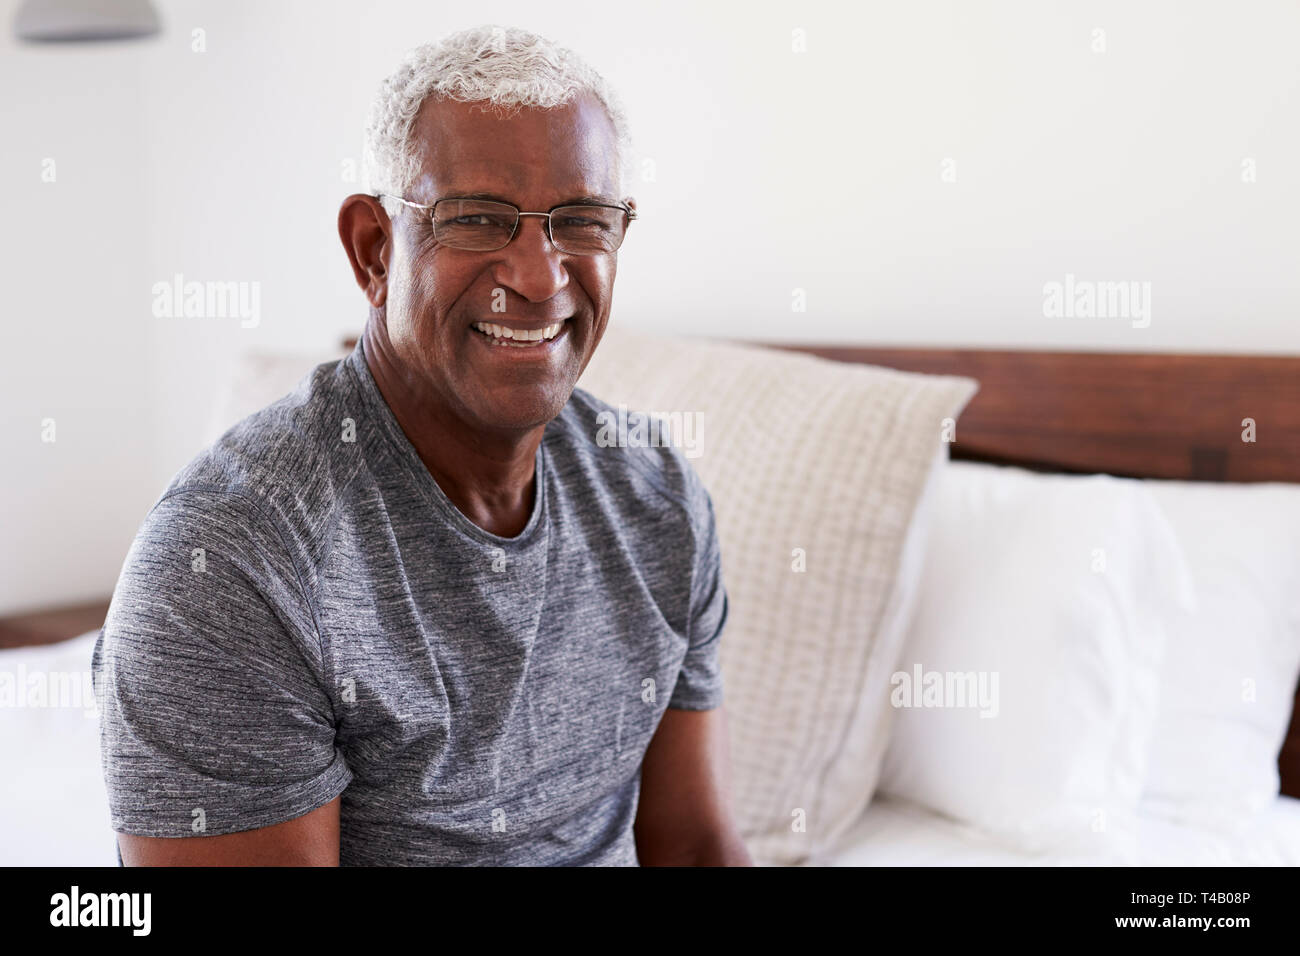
x: 800, y: 453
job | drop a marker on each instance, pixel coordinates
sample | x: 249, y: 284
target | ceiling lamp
x: 84, y: 21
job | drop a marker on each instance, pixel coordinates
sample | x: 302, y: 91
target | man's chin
x: 522, y: 409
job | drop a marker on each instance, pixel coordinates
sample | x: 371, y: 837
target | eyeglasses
x: 480, y: 225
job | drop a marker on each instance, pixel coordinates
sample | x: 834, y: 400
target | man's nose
x: 530, y: 264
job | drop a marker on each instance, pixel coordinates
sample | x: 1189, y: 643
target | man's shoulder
x: 289, y: 459
x: 640, y: 454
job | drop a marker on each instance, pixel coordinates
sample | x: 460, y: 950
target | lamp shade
x: 83, y: 21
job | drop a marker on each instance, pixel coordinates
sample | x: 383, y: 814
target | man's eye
x: 464, y: 221
x: 572, y: 222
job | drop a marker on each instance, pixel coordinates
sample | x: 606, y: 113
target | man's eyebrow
x: 575, y: 201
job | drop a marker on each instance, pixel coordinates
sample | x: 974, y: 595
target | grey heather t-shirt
x: 304, y: 613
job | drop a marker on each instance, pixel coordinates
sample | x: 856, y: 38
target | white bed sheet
x: 896, y: 833
x: 53, y: 804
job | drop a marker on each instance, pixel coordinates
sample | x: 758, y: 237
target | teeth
x: 519, y: 335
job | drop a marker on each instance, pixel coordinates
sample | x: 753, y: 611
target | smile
x: 503, y: 336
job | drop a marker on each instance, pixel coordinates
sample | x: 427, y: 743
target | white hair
x: 504, y: 67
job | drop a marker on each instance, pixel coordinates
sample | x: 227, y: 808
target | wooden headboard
x: 1135, y: 415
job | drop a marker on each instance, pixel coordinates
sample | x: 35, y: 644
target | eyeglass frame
x: 429, y: 207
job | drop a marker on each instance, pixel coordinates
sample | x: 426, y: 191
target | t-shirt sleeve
x: 699, y: 684
x: 210, y: 679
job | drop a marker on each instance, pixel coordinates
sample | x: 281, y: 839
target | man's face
x: 535, y: 159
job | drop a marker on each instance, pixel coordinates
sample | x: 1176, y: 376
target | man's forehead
x: 466, y: 149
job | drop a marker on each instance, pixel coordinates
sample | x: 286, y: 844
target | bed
x: 1138, y: 416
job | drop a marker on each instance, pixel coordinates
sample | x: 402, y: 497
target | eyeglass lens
x: 482, y: 226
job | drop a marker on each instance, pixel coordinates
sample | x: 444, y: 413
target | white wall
x: 1123, y: 165
x: 76, y: 347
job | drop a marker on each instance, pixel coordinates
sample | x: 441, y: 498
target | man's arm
x: 309, y: 840
x: 684, y: 815
x: 211, y: 692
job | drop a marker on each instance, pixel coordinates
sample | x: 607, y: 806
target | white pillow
x: 1231, y: 668
x: 1058, y: 588
x: 831, y: 458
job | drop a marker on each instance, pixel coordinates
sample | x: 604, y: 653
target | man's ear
x: 367, y: 234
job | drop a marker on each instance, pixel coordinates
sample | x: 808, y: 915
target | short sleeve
x: 209, y: 677
x: 699, y: 683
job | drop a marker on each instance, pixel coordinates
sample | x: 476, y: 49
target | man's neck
x: 488, y: 476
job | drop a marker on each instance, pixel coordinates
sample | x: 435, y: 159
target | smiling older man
x: 413, y: 613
